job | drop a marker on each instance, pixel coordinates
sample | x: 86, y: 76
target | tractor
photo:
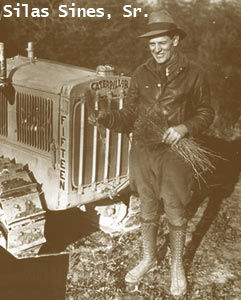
x: 51, y: 158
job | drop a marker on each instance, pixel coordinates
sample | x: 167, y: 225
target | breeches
x: 161, y: 175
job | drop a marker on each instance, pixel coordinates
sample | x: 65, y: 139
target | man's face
x: 162, y: 48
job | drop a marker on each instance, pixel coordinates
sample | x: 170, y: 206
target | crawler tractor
x: 51, y: 158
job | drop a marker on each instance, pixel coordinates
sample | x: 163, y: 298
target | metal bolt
x: 110, y: 211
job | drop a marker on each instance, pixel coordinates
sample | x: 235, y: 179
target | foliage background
x: 213, y: 27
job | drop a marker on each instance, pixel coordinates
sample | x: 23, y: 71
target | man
x: 176, y: 88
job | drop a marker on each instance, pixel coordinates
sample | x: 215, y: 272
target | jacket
x: 184, y: 98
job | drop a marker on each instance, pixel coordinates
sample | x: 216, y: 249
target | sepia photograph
x: 120, y: 150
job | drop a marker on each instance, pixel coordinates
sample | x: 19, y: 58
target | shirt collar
x: 174, y: 66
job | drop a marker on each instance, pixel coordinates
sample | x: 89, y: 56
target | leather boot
x: 178, y: 278
x: 149, y: 260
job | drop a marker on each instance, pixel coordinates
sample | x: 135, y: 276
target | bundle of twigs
x: 149, y: 130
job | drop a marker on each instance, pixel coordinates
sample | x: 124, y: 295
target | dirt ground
x: 98, y: 262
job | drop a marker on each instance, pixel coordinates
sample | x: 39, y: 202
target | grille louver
x: 35, y: 121
x: 3, y: 115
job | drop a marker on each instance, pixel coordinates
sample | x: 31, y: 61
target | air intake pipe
x: 30, y: 51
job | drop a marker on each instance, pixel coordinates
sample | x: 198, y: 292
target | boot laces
x: 178, y: 285
x: 178, y: 249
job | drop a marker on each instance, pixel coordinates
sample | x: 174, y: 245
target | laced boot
x: 149, y: 260
x: 178, y: 278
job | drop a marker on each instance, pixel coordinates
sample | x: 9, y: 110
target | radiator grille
x: 3, y: 115
x: 35, y: 121
x: 99, y: 155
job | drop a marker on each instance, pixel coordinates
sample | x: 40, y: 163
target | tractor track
x: 22, y: 216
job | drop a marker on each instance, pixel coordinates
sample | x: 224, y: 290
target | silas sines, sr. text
x: 24, y: 10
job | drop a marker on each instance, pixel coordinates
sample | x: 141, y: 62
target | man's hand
x: 174, y: 134
x: 99, y: 118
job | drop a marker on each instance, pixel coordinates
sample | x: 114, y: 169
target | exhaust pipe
x: 30, y: 51
x: 3, y: 70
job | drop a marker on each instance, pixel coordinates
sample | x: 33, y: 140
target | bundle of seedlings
x: 149, y: 129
